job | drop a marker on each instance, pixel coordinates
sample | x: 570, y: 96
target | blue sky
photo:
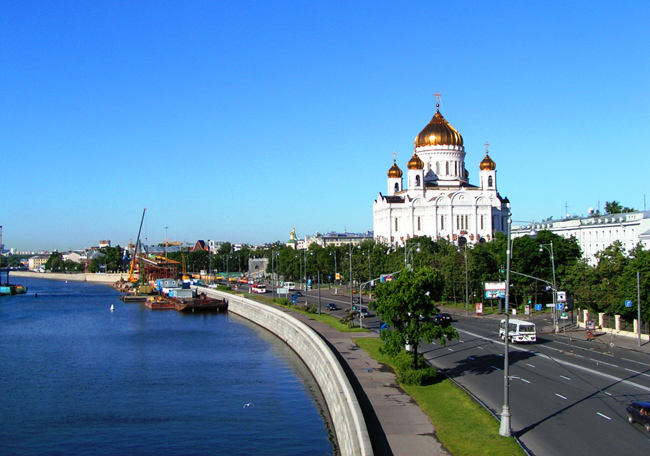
x: 238, y: 121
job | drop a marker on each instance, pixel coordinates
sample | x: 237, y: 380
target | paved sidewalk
x: 396, y: 424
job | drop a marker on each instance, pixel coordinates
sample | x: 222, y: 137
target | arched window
x: 437, y: 168
x: 417, y: 181
x: 490, y: 181
x: 396, y: 187
x: 447, y: 168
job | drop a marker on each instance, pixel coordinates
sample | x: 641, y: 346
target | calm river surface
x: 76, y: 378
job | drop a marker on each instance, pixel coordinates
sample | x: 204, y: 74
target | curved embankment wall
x: 76, y: 277
x: 349, y: 425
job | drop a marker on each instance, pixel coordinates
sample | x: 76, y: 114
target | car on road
x: 442, y: 319
x: 639, y: 412
x: 357, y: 300
x: 299, y: 294
x: 364, y: 312
x: 332, y: 306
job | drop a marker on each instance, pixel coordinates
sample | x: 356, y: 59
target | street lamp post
x: 166, y: 241
x: 504, y: 428
x: 541, y: 249
x: 351, y: 294
x: 410, y: 252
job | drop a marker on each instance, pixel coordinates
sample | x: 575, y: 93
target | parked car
x: 332, y: 306
x: 442, y: 319
x: 639, y: 412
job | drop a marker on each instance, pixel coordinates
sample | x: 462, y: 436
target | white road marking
x: 495, y: 368
x: 602, y: 362
x: 450, y: 349
x: 566, y: 363
x: 524, y: 380
x: 479, y: 347
x: 530, y: 365
x: 565, y: 378
x: 635, y: 362
x: 637, y: 372
x: 560, y: 396
x: 604, y: 416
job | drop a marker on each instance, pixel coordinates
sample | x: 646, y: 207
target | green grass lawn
x: 323, y: 317
x: 463, y: 426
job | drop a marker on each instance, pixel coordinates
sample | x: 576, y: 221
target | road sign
x: 561, y: 296
x: 538, y: 307
x: 628, y: 303
x: 560, y: 306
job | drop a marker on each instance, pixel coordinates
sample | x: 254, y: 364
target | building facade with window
x: 597, y: 232
x: 438, y: 201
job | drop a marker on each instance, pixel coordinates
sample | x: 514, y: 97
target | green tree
x: 614, y: 207
x: 407, y: 304
x: 55, y: 262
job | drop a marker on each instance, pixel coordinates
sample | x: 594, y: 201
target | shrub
x: 406, y: 374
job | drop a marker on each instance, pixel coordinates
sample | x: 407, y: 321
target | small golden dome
x: 487, y: 163
x: 438, y: 132
x: 394, y: 171
x: 415, y: 162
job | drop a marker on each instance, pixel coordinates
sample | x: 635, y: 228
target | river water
x: 76, y: 378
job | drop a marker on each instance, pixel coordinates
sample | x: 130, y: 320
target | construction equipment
x: 136, y: 251
x: 185, y: 276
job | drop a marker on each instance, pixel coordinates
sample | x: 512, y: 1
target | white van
x: 518, y: 331
x: 289, y: 286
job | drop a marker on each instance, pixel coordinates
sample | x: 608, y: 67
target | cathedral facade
x: 438, y: 201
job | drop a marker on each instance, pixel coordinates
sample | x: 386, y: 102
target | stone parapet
x: 347, y: 418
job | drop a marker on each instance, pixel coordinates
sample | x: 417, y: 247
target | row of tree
x: 603, y: 287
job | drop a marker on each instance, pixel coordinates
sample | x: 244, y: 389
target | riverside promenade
x: 396, y: 424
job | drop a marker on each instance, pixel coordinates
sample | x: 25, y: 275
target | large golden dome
x: 394, y: 171
x: 487, y: 163
x: 415, y: 162
x: 438, y: 133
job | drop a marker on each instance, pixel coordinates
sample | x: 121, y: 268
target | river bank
x: 78, y: 277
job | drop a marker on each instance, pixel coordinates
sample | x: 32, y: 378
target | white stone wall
x: 349, y: 425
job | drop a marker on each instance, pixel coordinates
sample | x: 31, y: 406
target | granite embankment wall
x: 347, y: 418
x: 80, y: 277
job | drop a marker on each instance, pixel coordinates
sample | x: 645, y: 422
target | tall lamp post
x: 351, y: 294
x: 541, y: 249
x: 504, y: 428
x: 410, y: 252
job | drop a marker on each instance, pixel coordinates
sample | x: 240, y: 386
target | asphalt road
x: 567, y: 395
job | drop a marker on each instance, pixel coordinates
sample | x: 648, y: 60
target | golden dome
x: 394, y: 171
x: 415, y: 162
x: 438, y: 133
x: 487, y: 163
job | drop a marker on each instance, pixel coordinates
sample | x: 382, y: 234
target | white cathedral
x: 438, y: 200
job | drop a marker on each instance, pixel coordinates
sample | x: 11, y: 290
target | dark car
x: 442, y: 319
x: 639, y: 412
x: 332, y: 306
x: 357, y: 300
x: 364, y: 312
x: 299, y: 294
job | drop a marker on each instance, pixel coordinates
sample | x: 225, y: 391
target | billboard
x: 495, y: 290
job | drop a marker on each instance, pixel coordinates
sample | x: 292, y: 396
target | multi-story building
x: 596, y: 233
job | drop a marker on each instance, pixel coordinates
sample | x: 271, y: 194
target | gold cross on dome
x: 487, y: 144
x: 394, y: 156
x: 437, y: 94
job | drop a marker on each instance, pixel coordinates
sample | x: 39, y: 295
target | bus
x: 518, y: 331
x: 258, y: 288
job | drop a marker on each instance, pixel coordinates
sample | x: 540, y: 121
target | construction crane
x: 185, y: 276
x: 135, y: 251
